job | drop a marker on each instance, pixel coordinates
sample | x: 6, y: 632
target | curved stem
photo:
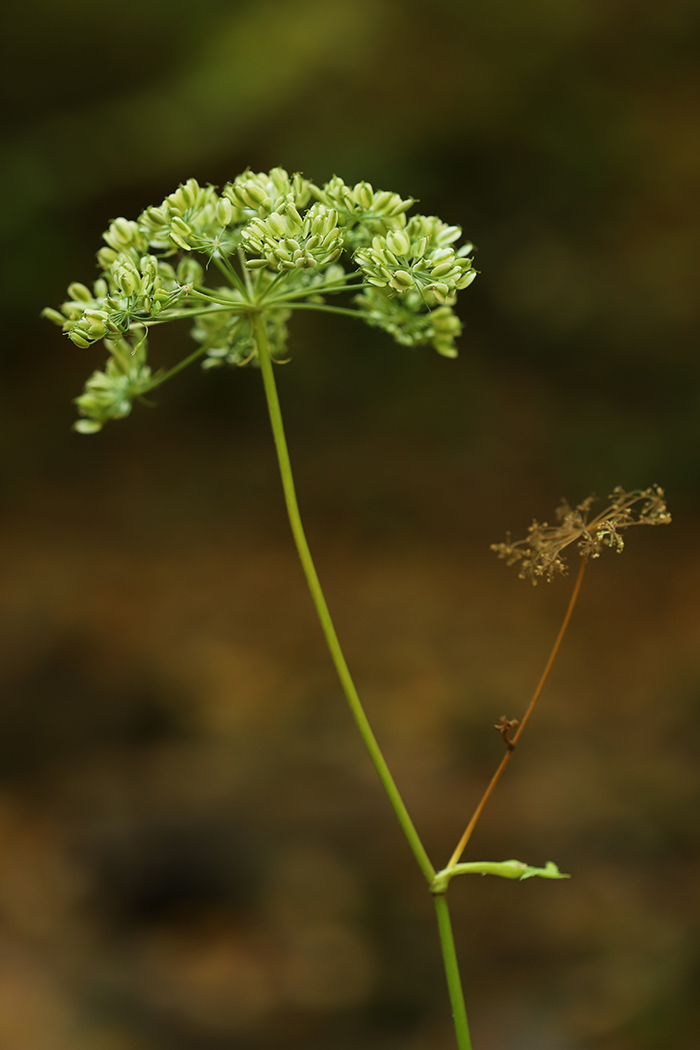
x: 459, y: 850
x: 246, y: 272
x: 223, y: 264
x: 321, y: 289
x: 327, y: 309
x: 164, y: 376
x: 179, y: 315
x: 454, y: 983
x: 220, y: 301
x: 319, y: 600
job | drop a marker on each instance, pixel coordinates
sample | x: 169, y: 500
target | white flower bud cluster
x: 260, y: 194
x: 124, y: 234
x: 286, y: 241
x: 277, y: 239
x: 363, y: 212
x: 132, y: 289
x: 184, y: 220
x: 419, y: 257
x: 404, y: 317
x: 229, y: 337
x: 109, y: 394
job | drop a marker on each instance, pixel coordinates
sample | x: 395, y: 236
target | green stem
x: 454, y: 983
x: 326, y: 309
x: 321, y: 289
x: 224, y: 266
x: 164, y: 376
x: 220, y: 301
x: 246, y: 272
x: 178, y: 315
x: 321, y: 607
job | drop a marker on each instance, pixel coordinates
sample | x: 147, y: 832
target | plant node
x: 504, y: 726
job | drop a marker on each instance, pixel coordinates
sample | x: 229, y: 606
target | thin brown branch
x: 454, y: 859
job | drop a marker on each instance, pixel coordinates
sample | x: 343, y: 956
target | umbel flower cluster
x: 540, y: 553
x: 267, y: 244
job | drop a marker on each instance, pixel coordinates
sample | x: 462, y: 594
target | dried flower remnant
x: 540, y: 554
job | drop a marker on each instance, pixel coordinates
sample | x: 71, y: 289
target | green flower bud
x: 224, y: 211
x: 154, y: 219
x: 277, y: 224
x: 79, y: 340
x: 419, y: 247
x: 149, y: 267
x: 105, y: 257
x: 450, y: 234
x: 364, y: 195
x: 79, y: 292
x: 53, y: 316
x: 293, y: 215
x: 122, y: 235
x: 398, y: 242
x: 254, y: 196
x: 128, y: 281
x: 180, y: 227
x: 97, y: 329
x: 87, y: 426
x: 190, y: 192
x: 100, y: 289
x: 189, y: 271
x: 401, y: 207
x: 440, y: 291
x: 442, y: 268
x: 440, y: 254
x: 401, y: 280
x: 381, y: 201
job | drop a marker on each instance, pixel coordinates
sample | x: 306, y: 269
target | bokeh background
x: 194, y: 850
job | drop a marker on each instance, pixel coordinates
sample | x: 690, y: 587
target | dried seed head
x: 540, y: 554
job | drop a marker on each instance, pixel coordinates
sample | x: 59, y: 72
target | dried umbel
x: 540, y: 554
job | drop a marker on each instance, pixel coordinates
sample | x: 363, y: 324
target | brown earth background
x: 194, y: 850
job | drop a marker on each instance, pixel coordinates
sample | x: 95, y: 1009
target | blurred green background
x: 194, y: 852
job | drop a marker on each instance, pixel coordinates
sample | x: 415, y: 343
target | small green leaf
x: 505, y: 869
x: 549, y: 871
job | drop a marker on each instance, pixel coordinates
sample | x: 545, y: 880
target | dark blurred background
x: 194, y: 850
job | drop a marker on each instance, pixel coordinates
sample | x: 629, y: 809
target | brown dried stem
x: 511, y: 744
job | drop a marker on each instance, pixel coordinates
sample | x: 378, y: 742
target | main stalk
x: 263, y: 346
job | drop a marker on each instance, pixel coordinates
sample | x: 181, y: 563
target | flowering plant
x: 283, y: 244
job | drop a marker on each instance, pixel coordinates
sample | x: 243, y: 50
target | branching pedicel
x: 540, y: 553
x: 283, y: 244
